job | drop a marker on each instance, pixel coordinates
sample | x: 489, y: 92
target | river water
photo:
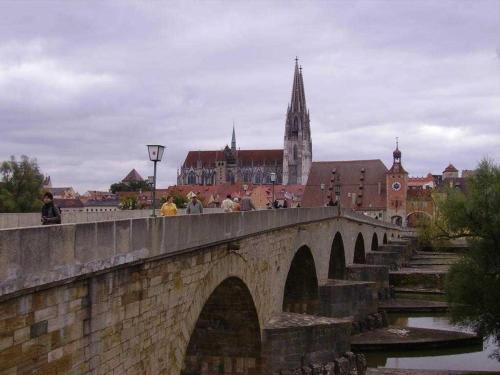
x: 474, y: 358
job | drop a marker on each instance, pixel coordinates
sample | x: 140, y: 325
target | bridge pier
x: 291, y: 341
x: 345, y: 298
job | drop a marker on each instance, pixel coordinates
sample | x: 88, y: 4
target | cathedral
x: 231, y: 165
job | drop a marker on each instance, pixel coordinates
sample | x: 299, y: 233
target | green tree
x: 20, y: 186
x: 180, y: 200
x: 473, y: 284
x: 130, y: 186
x: 129, y: 203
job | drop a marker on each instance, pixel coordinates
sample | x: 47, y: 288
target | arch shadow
x: 359, y: 250
x: 384, y: 241
x: 417, y: 218
x: 227, y: 330
x: 337, y: 266
x: 374, y: 245
x: 397, y: 220
x: 301, y: 294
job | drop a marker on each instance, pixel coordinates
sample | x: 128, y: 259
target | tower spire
x: 233, y: 139
x: 297, y: 156
x: 298, y: 102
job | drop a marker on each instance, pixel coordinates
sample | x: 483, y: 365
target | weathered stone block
x: 38, y: 329
x: 122, y: 236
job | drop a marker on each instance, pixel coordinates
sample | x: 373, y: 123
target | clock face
x: 396, y: 186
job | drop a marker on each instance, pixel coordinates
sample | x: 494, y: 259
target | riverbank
x: 394, y: 371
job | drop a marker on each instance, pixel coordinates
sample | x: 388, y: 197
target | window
x: 295, y: 152
x: 258, y: 177
x: 191, y: 178
x: 247, y: 176
x: 295, y: 127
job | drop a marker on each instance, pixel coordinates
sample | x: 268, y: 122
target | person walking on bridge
x: 246, y: 203
x: 168, y: 208
x: 227, y: 204
x: 50, y: 212
x: 195, y: 206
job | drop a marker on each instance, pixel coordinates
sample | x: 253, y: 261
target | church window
x: 258, y: 177
x: 246, y: 176
x: 191, y: 178
x: 295, y: 152
x: 295, y: 127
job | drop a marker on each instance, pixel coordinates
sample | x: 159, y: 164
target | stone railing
x: 34, y: 256
x: 32, y: 219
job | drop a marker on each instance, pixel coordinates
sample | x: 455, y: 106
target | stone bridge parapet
x: 35, y: 256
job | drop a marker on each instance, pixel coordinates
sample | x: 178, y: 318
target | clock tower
x: 397, y: 189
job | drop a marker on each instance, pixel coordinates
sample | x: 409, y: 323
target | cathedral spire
x: 298, y: 102
x: 297, y: 154
x: 233, y: 140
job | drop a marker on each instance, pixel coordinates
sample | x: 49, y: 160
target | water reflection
x: 470, y: 358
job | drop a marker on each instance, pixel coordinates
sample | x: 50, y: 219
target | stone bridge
x: 199, y: 294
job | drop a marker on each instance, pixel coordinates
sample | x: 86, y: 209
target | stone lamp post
x: 155, y: 155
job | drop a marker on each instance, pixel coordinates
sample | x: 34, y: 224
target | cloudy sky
x: 84, y: 85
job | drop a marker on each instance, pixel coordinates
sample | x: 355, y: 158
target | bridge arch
x: 359, y: 250
x: 397, y: 220
x: 413, y: 219
x: 384, y: 241
x: 301, y: 294
x: 336, y: 267
x: 374, y: 245
x: 226, y: 331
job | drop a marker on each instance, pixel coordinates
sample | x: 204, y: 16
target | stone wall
x: 126, y: 297
x: 30, y: 257
x: 293, y: 340
x: 32, y: 219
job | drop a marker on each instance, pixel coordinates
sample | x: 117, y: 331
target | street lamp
x: 155, y: 155
x: 273, y: 180
x: 322, y: 187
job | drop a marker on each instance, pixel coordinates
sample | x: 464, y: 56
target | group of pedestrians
x: 234, y: 205
x: 51, y: 214
x: 169, y: 208
x: 194, y: 206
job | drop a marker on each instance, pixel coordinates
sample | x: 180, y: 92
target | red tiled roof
x: 68, y: 203
x: 260, y: 155
x: 209, y: 158
x: 133, y: 175
x: 450, y: 168
x: 349, y: 172
x: 219, y: 192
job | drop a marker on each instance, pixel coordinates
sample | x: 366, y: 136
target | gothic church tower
x: 297, y: 152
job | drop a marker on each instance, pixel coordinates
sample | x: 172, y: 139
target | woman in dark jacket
x: 50, y: 213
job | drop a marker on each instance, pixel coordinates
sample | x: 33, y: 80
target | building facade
x: 232, y: 165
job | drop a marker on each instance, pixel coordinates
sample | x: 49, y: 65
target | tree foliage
x: 130, y: 186
x: 129, y: 203
x: 180, y: 199
x: 20, y: 185
x: 473, y: 284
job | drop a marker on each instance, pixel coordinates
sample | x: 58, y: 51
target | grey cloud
x: 107, y: 78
